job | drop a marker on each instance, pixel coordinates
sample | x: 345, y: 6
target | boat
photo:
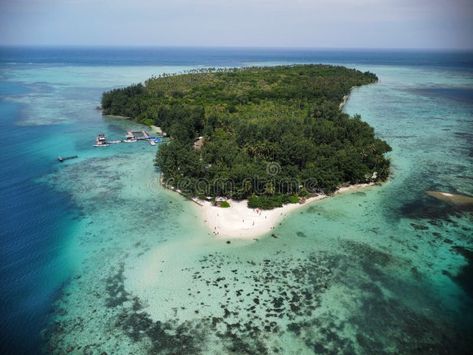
x: 130, y: 138
x: 61, y: 159
x: 151, y: 141
x: 101, y: 141
x: 114, y: 142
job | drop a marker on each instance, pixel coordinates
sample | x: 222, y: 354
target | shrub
x: 265, y: 202
x: 224, y: 204
x: 148, y: 122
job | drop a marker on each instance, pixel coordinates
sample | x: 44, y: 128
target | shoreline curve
x: 241, y: 222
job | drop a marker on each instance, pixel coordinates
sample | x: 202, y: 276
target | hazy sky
x: 280, y: 23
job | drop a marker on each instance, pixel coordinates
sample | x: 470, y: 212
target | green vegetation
x: 269, y: 134
x: 224, y: 204
x: 268, y: 202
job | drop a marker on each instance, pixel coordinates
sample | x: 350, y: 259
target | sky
x: 434, y: 24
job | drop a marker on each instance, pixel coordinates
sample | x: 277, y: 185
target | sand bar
x: 454, y: 199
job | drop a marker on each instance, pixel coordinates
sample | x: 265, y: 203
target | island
x: 250, y: 144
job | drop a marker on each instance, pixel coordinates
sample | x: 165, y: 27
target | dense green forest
x: 270, y: 134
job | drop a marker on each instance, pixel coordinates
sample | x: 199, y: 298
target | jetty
x: 130, y: 137
x: 138, y: 135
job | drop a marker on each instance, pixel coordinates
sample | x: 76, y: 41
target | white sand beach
x: 240, y: 222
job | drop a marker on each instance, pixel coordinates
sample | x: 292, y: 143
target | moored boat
x: 130, y: 138
x: 101, y: 141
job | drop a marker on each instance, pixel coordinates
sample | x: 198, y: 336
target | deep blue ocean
x: 210, y: 57
x: 43, y: 92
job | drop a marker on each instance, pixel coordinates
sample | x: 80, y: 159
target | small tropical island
x: 251, y: 144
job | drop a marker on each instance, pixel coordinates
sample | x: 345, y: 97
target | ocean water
x: 96, y: 256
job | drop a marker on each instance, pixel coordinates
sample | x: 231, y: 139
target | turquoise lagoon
x: 97, y: 256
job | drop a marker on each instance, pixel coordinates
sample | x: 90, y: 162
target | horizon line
x: 152, y: 46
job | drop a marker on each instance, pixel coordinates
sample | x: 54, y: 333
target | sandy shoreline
x: 240, y: 222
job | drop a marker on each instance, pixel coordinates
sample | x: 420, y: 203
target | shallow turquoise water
x: 377, y: 271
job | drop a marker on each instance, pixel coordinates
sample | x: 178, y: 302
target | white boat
x: 101, y: 141
x: 152, y: 142
x: 129, y: 141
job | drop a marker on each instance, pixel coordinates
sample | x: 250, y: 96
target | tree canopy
x: 270, y: 134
